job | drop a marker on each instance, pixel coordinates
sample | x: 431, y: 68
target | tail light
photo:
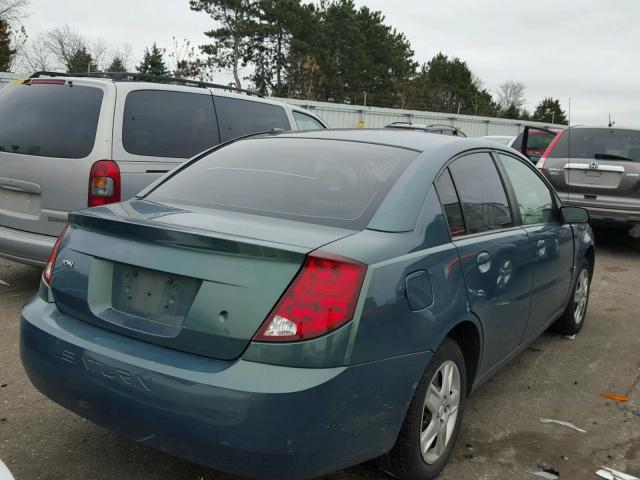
x: 547, y: 152
x: 104, y: 183
x: 47, y: 274
x: 320, y: 299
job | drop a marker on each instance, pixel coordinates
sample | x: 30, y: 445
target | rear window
x: 537, y: 140
x: 160, y: 123
x: 49, y: 120
x: 244, y: 117
x: 325, y: 182
x: 593, y: 143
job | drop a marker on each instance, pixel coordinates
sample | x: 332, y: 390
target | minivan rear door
x: 157, y: 127
x: 53, y: 130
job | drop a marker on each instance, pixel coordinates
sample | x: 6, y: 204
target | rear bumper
x: 246, y: 418
x: 609, y: 216
x: 25, y: 247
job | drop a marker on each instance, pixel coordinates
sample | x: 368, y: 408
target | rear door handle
x: 484, y: 262
x: 542, y: 247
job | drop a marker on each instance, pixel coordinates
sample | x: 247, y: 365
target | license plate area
x: 19, y: 204
x: 153, y: 295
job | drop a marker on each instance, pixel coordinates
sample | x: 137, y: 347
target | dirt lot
x: 502, y: 437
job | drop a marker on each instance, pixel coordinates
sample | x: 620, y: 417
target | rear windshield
x: 325, y: 182
x: 593, y: 143
x: 49, y: 120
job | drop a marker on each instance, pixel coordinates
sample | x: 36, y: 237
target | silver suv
x: 71, y: 142
x: 599, y: 169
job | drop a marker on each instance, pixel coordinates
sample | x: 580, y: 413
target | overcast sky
x: 586, y: 50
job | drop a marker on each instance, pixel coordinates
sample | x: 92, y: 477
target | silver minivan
x: 71, y: 142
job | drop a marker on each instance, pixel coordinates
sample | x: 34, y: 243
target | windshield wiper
x: 609, y: 156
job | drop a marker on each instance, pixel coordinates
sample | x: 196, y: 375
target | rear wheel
x: 572, y: 319
x: 433, y: 419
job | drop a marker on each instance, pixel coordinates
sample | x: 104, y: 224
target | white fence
x: 354, y: 116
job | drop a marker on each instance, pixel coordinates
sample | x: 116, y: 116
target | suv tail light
x: 47, y: 274
x: 321, y: 298
x: 547, y: 152
x: 104, y: 183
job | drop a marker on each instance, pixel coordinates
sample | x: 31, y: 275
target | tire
x: 572, y: 319
x: 406, y: 460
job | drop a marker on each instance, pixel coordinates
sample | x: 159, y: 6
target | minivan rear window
x: 598, y: 143
x: 48, y: 120
x: 325, y: 182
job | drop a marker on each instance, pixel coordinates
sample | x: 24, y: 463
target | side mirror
x: 574, y: 215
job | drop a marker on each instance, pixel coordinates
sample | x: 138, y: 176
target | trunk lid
x: 198, y: 280
x: 48, y: 143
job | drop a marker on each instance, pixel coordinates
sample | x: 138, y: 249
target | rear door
x: 493, y: 253
x: 52, y: 131
x: 597, y: 167
x: 157, y: 127
x: 550, y: 242
x: 532, y: 142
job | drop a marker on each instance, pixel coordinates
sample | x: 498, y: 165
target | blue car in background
x: 287, y: 305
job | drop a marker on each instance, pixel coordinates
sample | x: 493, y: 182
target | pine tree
x: 81, y: 61
x: 153, y: 62
x: 117, y: 65
x: 7, y: 52
x: 550, y: 111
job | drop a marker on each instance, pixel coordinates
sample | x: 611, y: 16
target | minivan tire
x: 568, y: 323
x: 405, y: 461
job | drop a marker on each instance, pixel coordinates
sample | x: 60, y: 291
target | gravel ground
x: 502, y: 437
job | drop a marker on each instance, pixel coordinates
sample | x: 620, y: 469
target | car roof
x: 400, y: 137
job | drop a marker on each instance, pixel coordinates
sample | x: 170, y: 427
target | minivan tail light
x: 321, y: 298
x: 547, y: 152
x: 47, y: 274
x: 104, y: 183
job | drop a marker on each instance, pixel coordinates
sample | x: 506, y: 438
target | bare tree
x: 511, y: 95
x: 123, y: 52
x: 36, y: 56
x: 63, y: 44
x: 100, y: 53
x: 13, y: 10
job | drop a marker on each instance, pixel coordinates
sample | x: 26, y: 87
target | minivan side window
x: 306, y: 122
x: 484, y: 201
x: 160, y: 123
x: 450, y: 204
x: 535, y: 200
x: 238, y: 117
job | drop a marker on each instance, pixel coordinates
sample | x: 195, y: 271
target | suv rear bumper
x: 609, y: 216
x: 25, y: 247
x: 245, y: 418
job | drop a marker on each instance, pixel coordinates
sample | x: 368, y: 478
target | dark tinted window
x: 168, y: 124
x: 537, y: 140
x: 484, y: 202
x: 306, y: 122
x: 243, y: 117
x: 450, y: 204
x: 49, y: 120
x: 316, y: 181
x: 535, y: 201
x: 595, y: 143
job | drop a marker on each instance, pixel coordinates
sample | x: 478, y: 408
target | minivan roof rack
x: 144, y: 77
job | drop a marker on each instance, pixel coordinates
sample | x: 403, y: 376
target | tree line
x: 329, y: 50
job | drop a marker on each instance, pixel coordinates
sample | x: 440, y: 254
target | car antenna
x: 569, y: 147
x: 611, y: 124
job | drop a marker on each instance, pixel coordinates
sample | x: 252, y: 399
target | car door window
x: 482, y: 195
x: 450, y: 204
x: 238, y: 117
x: 535, y: 200
x: 162, y: 123
x: 307, y: 122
